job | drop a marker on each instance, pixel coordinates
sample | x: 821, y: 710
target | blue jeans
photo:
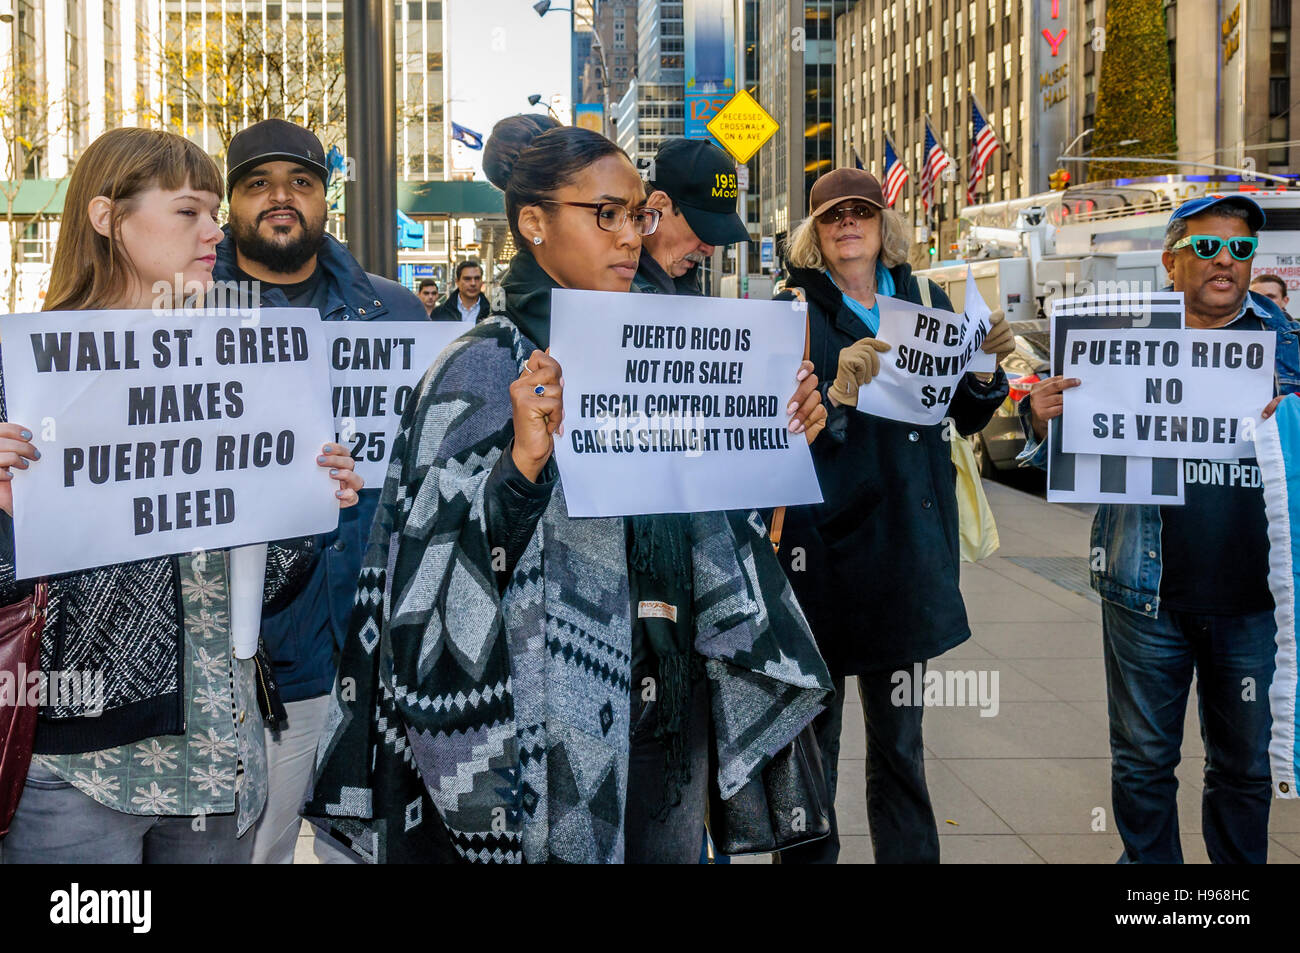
x: 899, y: 815
x: 1149, y: 668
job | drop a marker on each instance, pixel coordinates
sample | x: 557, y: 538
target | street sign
x: 742, y: 126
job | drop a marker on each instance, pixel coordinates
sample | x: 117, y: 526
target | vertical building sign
x: 710, y: 62
x: 1051, y: 131
x: 1232, y: 80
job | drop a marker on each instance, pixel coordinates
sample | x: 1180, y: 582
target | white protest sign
x: 677, y: 405
x: 1108, y: 478
x: 978, y: 322
x: 166, y: 432
x: 1158, y: 393
x: 374, y: 369
x: 930, y: 351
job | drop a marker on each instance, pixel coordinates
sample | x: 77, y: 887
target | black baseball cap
x: 273, y: 140
x: 701, y: 179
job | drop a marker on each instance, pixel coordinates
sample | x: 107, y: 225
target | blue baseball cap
x: 1192, y: 207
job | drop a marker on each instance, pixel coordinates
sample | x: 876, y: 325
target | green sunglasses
x: 1208, y: 246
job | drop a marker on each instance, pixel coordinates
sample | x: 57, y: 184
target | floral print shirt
x: 219, y: 765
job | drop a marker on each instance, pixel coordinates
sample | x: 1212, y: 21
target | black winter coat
x: 875, y: 566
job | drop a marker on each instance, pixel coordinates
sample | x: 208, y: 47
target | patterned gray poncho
x: 467, y: 724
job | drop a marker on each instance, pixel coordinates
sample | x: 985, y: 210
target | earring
x: 537, y: 240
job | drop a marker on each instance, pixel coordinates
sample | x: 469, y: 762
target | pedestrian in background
x: 467, y: 303
x: 1184, y: 589
x: 1273, y: 288
x: 428, y: 296
x: 876, y: 568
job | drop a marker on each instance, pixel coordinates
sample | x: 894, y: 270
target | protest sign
x: 978, y: 321
x: 678, y: 405
x: 166, y: 432
x: 1098, y: 478
x: 930, y: 350
x: 375, y: 367
x: 1166, y: 393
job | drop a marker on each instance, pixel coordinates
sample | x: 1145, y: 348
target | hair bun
x: 508, y: 139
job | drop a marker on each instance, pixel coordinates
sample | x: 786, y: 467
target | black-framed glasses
x: 859, y: 212
x: 612, y: 216
x: 1241, y: 247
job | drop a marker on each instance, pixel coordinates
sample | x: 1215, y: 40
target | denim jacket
x: 1125, y: 541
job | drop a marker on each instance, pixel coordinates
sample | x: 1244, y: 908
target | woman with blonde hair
x: 878, y: 573
x: 168, y: 765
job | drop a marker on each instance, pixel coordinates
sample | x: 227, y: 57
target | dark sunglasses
x: 1209, y: 246
x: 860, y: 212
x: 611, y: 216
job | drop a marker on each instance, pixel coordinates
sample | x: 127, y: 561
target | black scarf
x: 659, y: 548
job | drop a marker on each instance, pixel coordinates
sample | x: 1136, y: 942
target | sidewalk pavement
x: 1031, y: 784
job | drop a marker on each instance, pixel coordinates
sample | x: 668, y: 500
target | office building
x: 796, y: 85
x: 615, y: 23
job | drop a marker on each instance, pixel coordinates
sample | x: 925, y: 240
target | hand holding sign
x: 15, y: 451
x: 1046, y: 402
x: 343, y: 468
x: 999, y: 341
x: 537, y: 404
x: 859, y: 364
x: 805, y: 409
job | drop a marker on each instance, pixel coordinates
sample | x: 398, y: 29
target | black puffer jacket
x: 875, y: 566
x: 126, y: 622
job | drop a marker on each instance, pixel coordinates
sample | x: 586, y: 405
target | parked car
x: 997, y: 445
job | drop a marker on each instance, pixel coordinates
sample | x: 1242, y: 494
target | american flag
x: 895, y: 173
x: 983, y: 144
x: 936, y: 160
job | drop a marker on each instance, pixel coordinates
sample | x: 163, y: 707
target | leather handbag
x: 20, y: 646
x: 787, y: 805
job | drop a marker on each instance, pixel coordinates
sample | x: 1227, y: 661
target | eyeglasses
x: 611, y: 216
x: 853, y: 211
x: 1241, y: 248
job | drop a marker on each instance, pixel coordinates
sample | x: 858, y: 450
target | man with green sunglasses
x: 1185, y: 588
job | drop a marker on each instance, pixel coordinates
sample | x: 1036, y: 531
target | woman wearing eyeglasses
x: 875, y: 566
x: 485, y: 689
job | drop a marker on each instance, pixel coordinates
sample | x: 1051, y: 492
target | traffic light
x: 1060, y: 180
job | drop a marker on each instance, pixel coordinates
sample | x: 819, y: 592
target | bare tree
x: 227, y: 70
x: 29, y: 121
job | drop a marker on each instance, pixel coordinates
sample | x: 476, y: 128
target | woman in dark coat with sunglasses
x: 875, y: 566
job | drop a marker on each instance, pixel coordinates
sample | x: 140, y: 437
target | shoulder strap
x: 923, y: 286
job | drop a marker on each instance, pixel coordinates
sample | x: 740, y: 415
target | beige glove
x: 859, y: 363
x: 999, y: 340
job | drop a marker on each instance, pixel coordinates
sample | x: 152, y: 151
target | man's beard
x: 276, y: 255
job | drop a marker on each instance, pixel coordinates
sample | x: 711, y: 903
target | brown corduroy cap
x: 834, y: 187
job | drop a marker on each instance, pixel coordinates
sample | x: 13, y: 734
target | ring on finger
x: 539, y: 390
x: 527, y: 369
